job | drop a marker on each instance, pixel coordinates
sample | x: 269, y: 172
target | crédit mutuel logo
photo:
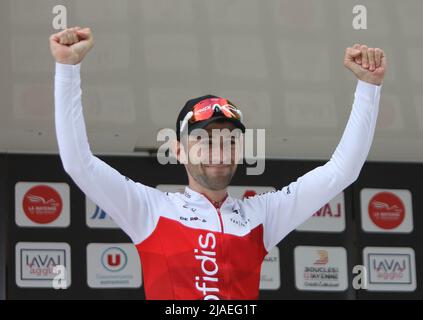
x: 221, y: 146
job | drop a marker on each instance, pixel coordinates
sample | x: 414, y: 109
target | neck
x: 215, y: 196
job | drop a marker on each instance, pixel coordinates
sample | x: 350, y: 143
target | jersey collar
x: 228, y: 202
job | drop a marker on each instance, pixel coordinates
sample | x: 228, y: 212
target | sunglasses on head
x: 207, y: 108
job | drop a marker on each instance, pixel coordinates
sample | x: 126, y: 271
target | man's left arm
x: 289, y: 207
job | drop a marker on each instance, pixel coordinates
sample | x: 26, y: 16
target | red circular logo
x: 386, y: 210
x: 42, y: 204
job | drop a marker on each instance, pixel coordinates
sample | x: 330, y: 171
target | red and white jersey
x: 190, y: 248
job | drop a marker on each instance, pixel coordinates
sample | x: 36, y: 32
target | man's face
x: 218, y: 165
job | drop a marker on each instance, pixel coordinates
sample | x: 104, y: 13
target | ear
x: 176, y: 148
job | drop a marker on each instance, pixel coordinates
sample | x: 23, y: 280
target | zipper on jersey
x: 220, y: 220
x: 222, y: 230
x: 217, y: 206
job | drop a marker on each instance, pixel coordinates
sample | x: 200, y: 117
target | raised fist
x: 71, y: 45
x: 368, y: 64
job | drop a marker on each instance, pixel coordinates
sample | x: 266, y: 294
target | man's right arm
x: 128, y: 203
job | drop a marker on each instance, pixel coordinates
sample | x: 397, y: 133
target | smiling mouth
x: 217, y: 165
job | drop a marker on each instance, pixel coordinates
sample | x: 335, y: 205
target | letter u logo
x: 113, y: 260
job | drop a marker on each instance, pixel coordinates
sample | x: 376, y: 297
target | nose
x: 222, y: 153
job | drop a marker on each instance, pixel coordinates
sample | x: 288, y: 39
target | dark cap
x: 201, y: 124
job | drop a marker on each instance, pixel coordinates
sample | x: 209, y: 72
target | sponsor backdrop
x: 389, y: 231
x: 58, y: 244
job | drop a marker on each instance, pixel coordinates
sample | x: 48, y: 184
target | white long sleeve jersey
x: 189, y: 248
